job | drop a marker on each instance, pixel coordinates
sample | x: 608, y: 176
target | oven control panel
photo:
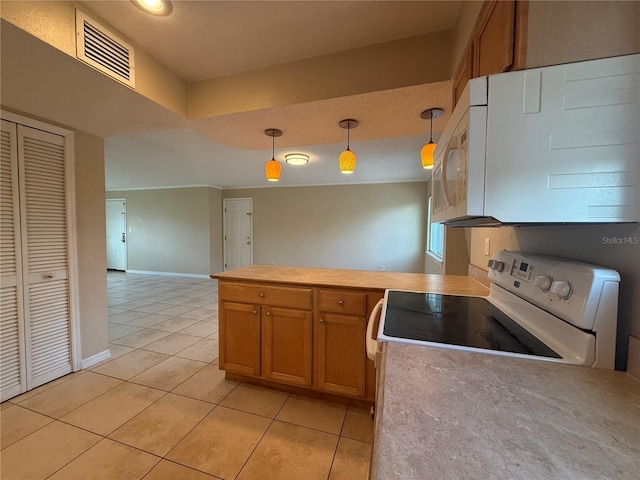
x: 569, y: 289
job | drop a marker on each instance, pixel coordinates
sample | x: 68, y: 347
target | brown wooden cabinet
x: 266, y: 331
x: 340, y: 359
x: 240, y: 338
x: 286, y: 345
x: 340, y: 354
x: 491, y: 47
x: 493, y: 43
x: 273, y: 333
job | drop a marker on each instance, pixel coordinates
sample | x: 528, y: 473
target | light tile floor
x: 160, y: 409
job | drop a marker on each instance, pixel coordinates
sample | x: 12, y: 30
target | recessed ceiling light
x: 296, y: 158
x: 154, y: 7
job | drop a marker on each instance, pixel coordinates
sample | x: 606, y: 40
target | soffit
x: 206, y: 39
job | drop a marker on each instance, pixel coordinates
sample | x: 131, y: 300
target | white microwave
x: 557, y: 144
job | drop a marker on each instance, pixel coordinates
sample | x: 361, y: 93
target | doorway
x: 116, y: 234
x: 238, y: 232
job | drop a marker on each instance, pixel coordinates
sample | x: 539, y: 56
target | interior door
x: 45, y: 254
x: 12, y: 355
x: 238, y: 236
x: 116, y: 211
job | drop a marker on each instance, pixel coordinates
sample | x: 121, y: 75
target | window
x: 435, y: 237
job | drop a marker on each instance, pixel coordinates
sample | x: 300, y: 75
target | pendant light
x: 272, y: 167
x: 348, y: 158
x: 426, y: 154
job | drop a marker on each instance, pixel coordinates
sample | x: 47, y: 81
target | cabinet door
x: 493, y: 46
x: 286, y: 345
x: 240, y: 338
x: 463, y: 74
x: 340, y: 354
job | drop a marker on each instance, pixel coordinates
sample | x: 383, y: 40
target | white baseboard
x: 95, y: 359
x: 169, y: 274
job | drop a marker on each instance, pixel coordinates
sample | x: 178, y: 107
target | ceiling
x: 147, y: 146
x: 206, y: 39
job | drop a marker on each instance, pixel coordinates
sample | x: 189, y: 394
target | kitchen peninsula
x: 439, y: 413
x: 304, y: 328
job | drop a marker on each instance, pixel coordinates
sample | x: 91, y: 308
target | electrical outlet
x: 162, y: 259
x: 273, y: 262
x: 486, y: 246
x: 382, y: 268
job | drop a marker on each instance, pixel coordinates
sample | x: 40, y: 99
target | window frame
x: 435, y: 235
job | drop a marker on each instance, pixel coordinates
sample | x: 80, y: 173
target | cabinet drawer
x: 342, y: 301
x: 266, y: 295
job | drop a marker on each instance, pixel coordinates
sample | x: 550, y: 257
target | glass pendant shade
x: 427, y: 155
x: 347, y: 162
x: 272, y: 169
x: 347, y: 159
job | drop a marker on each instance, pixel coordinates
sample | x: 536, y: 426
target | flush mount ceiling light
x: 160, y: 8
x: 348, y: 158
x: 272, y: 167
x: 296, y: 158
x: 426, y: 154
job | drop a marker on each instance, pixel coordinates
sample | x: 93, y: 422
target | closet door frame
x: 76, y: 355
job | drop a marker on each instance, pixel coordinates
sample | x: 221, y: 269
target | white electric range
x: 539, y: 307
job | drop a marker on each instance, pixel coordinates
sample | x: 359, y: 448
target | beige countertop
x: 362, y: 279
x: 445, y: 414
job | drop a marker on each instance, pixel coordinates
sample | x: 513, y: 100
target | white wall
x: 168, y: 230
x: 91, y: 236
x: 351, y: 226
x: 215, y: 230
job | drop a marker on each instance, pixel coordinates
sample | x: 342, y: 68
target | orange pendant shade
x: 272, y: 169
x: 347, y: 161
x: 427, y: 155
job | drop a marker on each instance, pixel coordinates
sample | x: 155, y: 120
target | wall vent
x: 104, y: 51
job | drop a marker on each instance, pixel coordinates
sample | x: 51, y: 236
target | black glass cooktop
x: 455, y: 320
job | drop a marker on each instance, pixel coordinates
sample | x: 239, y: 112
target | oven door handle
x: 371, y: 344
x: 445, y: 160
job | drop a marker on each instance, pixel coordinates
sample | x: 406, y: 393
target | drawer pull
x: 268, y: 314
x: 322, y: 320
x: 340, y: 302
x: 49, y: 276
x: 261, y: 295
x: 255, y: 312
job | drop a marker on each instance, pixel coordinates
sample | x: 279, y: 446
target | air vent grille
x: 103, y: 50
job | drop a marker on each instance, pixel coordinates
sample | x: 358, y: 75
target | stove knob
x: 543, y: 282
x: 562, y: 289
x: 499, y: 266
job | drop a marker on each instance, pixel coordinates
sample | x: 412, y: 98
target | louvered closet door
x: 43, y: 205
x: 12, y: 355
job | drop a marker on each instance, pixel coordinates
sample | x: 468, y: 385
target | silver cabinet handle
x: 49, y: 276
x: 261, y: 295
x: 340, y: 302
x: 255, y: 312
x: 322, y: 320
x: 268, y: 314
